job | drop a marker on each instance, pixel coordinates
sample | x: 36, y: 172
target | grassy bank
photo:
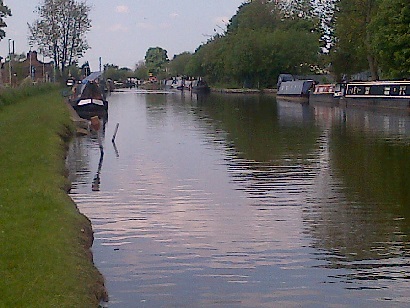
x: 44, y: 240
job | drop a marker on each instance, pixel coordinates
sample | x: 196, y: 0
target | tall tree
x: 256, y: 14
x: 391, y: 38
x: 178, y: 65
x: 4, y: 12
x: 60, y: 31
x: 354, y: 36
x: 155, y: 60
x: 141, y: 71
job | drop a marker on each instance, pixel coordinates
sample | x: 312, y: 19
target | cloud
x: 122, y: 9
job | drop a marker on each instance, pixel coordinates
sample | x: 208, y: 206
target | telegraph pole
x: 10, y: 63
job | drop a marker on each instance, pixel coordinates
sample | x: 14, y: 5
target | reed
x: 44, y: 240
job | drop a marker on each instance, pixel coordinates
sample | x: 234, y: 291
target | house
x: 31, y: 66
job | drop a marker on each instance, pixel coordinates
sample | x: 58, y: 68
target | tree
x: 391, y: 38
x: 4, y: 12
x: 194, y: 66
x: 114, y: 72
x: 141, y: 71
x: 155, y: 60
x: 256, y: 14
x: 354, y: 36
x: 60, y: 31
x: 178, y: 65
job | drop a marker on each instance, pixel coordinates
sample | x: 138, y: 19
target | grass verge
x: 45, y: 259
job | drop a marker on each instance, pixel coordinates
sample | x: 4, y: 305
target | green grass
x: 44, y: 256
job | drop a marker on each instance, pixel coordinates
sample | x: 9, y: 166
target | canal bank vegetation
x: 45, y: 259
x: 341, y: 38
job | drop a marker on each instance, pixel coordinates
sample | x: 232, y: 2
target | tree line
x: 341, y: 37
x: 263, y: 39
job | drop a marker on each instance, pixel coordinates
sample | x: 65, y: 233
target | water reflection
x: 360, y: 216
x: 96, y: 181
x: 239, y: 201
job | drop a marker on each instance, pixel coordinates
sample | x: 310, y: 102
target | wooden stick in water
x: 115, y: 132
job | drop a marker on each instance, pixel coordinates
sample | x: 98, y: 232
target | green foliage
x: 373, y: 35
x: 355, y: 37
x: 4, y: 12
x: 141, y: 71
x: 115, y: 73
x: 155, y: 59
x: 391, y: 39
x: 178, y: 65
x: 194, y: 66
x: 256, y: 15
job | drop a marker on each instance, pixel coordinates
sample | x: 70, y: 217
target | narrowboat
x: 324, y: 94
x: 380, y: 94
x: 88, y: 97
x: 296, y: 90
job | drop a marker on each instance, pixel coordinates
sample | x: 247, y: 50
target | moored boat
x: 88, y: 97
x: 297, y: 90
x: 379, y: 94
x: 324, y: 94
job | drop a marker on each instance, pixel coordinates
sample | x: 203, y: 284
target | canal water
x: 245, y: 201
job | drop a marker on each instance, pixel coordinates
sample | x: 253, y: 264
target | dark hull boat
x: 91, y: 105
x: 89, y: 97
x: 378, y: 94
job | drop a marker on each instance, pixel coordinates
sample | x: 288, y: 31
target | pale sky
x: 123, y: 30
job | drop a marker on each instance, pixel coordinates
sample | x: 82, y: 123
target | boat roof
x: 296, y: 87
x: 93, y: 76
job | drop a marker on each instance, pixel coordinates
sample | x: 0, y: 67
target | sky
x: 123, y: 30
